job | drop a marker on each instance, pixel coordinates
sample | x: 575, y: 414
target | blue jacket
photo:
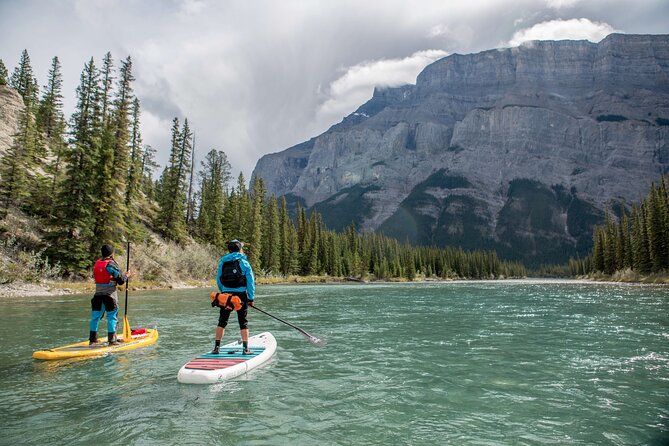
x: 246, y: 270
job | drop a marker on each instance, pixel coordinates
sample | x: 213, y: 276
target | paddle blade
x: 127, y: 333
x: 315, y: 340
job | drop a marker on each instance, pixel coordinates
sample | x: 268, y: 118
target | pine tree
x: 51, y: 122
x: 642, y: 259
x: 598, y: 250
x: 288, y: 240
x: 214, y: 179
x: 4, y: 75
x: 170, y: 220
x: 656, y: 231
x: 239, y: 225
x: 71, y: 235
x: 610, y: 264
x: 190, y: 202
x: 106, y: 81
x: 148, y: 165
x: 134, y: 180
x: 24, y: 81
x: 272, y: 246
x: 111, y: 211
x: 255, y: 238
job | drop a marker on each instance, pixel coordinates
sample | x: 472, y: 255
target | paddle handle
x: 127, y: 279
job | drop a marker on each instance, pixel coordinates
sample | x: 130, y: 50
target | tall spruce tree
x: 272, y: 240
x: 106, y: 86
x: 171, y: 218
x: 71, y: 235
x: 4, y: 74
x: 255, y: 235
x: 215, y: 176
x: 111, y: 211
x: 51, y: 122
x: 134, y: 179
x: 24, y: 81
x: 147, y: 167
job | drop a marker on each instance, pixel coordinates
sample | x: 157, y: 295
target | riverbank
x: 60, y: 288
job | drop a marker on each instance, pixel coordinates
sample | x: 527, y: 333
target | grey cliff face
x: 11, y: 106
x: 519, y: 150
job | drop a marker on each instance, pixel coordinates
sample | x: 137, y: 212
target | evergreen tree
x: 148, y: 165
x: 24, y: 81
x: 111, y: 211
x: 72, y: 230
x: 214, y: 179
x: 4, y: 75
x: 135, y: 170
x: 272, y: 246
x: 642, y: 260
x: 288, y: 240
x: 106, y: 82
x: 171, y: 219
x: 190, y: 202
x: 610, y: 263
x: 255, y: 238
x: 51, y: 122
x: 656, y: 231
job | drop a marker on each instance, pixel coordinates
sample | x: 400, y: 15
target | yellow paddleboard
x: 83, y: 349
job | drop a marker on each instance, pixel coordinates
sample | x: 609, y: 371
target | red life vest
x: 100, y: 273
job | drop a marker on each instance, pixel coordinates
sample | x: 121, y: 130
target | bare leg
x: 245, y: 334
x: 220, y: 331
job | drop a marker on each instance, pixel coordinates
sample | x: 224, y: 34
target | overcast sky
x: 258, y: 76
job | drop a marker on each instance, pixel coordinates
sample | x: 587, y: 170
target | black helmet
x: 235, y: 245
x: 107, y: 250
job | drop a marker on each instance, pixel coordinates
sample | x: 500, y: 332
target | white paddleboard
x: 229, y: 363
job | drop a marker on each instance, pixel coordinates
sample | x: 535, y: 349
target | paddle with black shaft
x: 127, y: 333
x: 313, y: 339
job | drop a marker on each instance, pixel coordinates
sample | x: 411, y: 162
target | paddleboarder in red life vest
x: 107, y: 276
x: 235, y: 276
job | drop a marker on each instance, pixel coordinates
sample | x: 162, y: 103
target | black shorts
x: 100, y: 299
x: 241, y: 313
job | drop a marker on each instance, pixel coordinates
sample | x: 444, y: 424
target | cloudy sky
x: 258, y: 76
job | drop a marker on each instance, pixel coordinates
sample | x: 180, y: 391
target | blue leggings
x: 112, y: 318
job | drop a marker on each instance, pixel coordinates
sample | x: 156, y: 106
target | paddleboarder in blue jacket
x: 235, y: 276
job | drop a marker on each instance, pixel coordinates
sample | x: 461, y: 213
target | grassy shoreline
x: 65, y: 287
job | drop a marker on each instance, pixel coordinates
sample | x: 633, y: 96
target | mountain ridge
x: 557, y: 119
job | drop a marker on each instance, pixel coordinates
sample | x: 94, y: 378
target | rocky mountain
x: 11, y: 106
x: 520, y: 149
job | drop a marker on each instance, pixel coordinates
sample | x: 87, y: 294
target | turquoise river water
x: 464, y: 363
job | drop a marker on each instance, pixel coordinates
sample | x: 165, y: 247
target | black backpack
x: 231, y: 275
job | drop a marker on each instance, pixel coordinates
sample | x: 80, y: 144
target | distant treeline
x: 638, y: 241
x: 88, y: 181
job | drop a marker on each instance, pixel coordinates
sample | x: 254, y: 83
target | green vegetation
x: 635, y: 246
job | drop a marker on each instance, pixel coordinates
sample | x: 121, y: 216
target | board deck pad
x: 226, y: 358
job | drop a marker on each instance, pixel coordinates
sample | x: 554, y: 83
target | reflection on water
x: 522, y: 362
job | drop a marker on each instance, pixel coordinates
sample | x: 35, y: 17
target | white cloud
x: 355, y: 87
x: 573, y: 29
x: 559, y: 4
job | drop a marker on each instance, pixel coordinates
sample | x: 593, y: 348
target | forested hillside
x: 69, y: 185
